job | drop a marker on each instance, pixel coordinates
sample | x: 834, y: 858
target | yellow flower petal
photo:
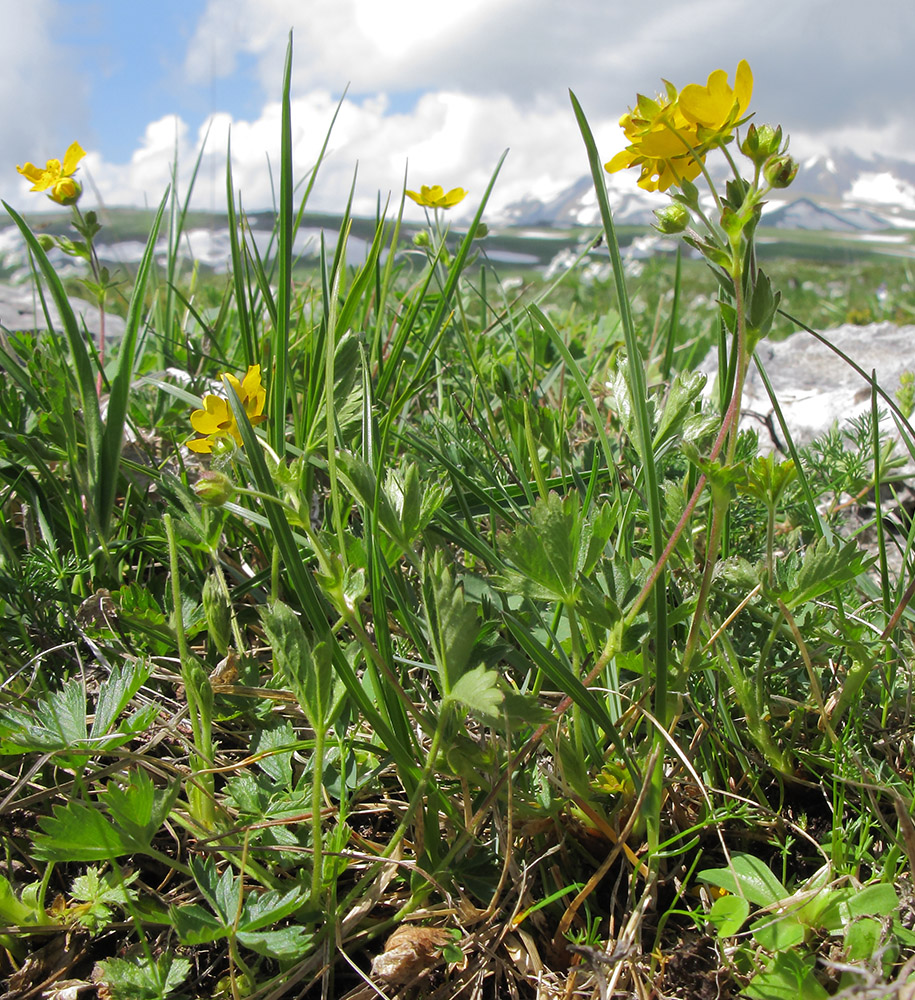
x: 216, y: 419
x: 31, y: 172
x: 203, y: 446
x: 72, y: 157
x: 435, y: 196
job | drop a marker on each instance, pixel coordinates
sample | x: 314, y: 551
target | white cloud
x: 41, y: 99
x: 447, y: 138
x: 449, y: 86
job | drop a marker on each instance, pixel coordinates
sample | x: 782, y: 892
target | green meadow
x: 410, y: 622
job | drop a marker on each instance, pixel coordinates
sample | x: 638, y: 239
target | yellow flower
x: 670, y: 136
x: 217, y: 421
x: 716, y: 107
x: 57, y: 177
x: 435, y: 196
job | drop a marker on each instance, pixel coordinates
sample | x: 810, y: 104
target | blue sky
x: 441, y: 88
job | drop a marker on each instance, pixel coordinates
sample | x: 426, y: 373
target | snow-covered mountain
x: 838, y: 192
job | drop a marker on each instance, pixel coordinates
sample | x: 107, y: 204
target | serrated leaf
x: 115, y: 694
x: 285, y: 944
x: 309, y: 672
x: 58, y: 722
x: 269, y: 908
x: 685, y: 389
x: 140, y: 978
x: 275, y: 742
x: 196, y: 925
x: 826, y: 566
x: 138, y: 807
x: 77, y: 832
x: 545, y: 552
x: 479, y: 691
x: 453, y: 622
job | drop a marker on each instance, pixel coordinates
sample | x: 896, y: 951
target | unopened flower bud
x: 481, y: 231
x: 214, y: 488
x: 66, y: 191
x: 218, y: 614
x: 780, y: 171
x: 46, y: 241
x: 761, y: 143
x: 672, y: 219
x: 421, y: 239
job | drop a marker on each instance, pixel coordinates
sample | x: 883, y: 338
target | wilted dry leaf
x: 408, y: 953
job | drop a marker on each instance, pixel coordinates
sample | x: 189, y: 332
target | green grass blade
x: 246, y: 327
x: 113, y: 434
x: 85, y: 376
x: 639, y: 395
x: 280, y: 384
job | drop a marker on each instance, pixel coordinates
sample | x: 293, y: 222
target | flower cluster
x: 669, y: 137
x: 437, y: 197
x: 57, y: 178
x: 217, y: 421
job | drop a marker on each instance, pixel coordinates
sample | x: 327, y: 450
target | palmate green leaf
x: 545, y: 552
x: 308, y: 671
x: 196, y: 925
x: 141, y: 978
x: 453, y: 623
x: 139, y: 808
x: 58, y: 722
x: 285, y: 944
x: 826, y: 565
x: 265, y: 908
x: 80, y: 832
x: 77, y: 832
x: 748, y: 877
x: 480, y: 690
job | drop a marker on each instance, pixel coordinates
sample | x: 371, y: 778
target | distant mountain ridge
x: 840, y: 192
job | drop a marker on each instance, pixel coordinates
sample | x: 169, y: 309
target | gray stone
x: 815, y: 387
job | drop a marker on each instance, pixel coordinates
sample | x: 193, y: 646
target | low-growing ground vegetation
x: 455, y: 657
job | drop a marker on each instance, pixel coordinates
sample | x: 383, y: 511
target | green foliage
x: 496, y: 603
x: 243, y: 917
x: 130, y: 816
x: 144, y: 978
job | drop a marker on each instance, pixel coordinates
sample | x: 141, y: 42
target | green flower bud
x: 214, y: 488
x: 218, y: 614
x: 780, y: 171
x: 421, y: 239
x: 481, y: 231
x: 46, y: 241
x: 672, y: 219
x: 761, y: 143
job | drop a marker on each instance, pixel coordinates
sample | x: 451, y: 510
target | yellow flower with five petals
x: 57, y: 178
x: 437, y: 197
x: 217, y: 421
x: 670, y: 136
